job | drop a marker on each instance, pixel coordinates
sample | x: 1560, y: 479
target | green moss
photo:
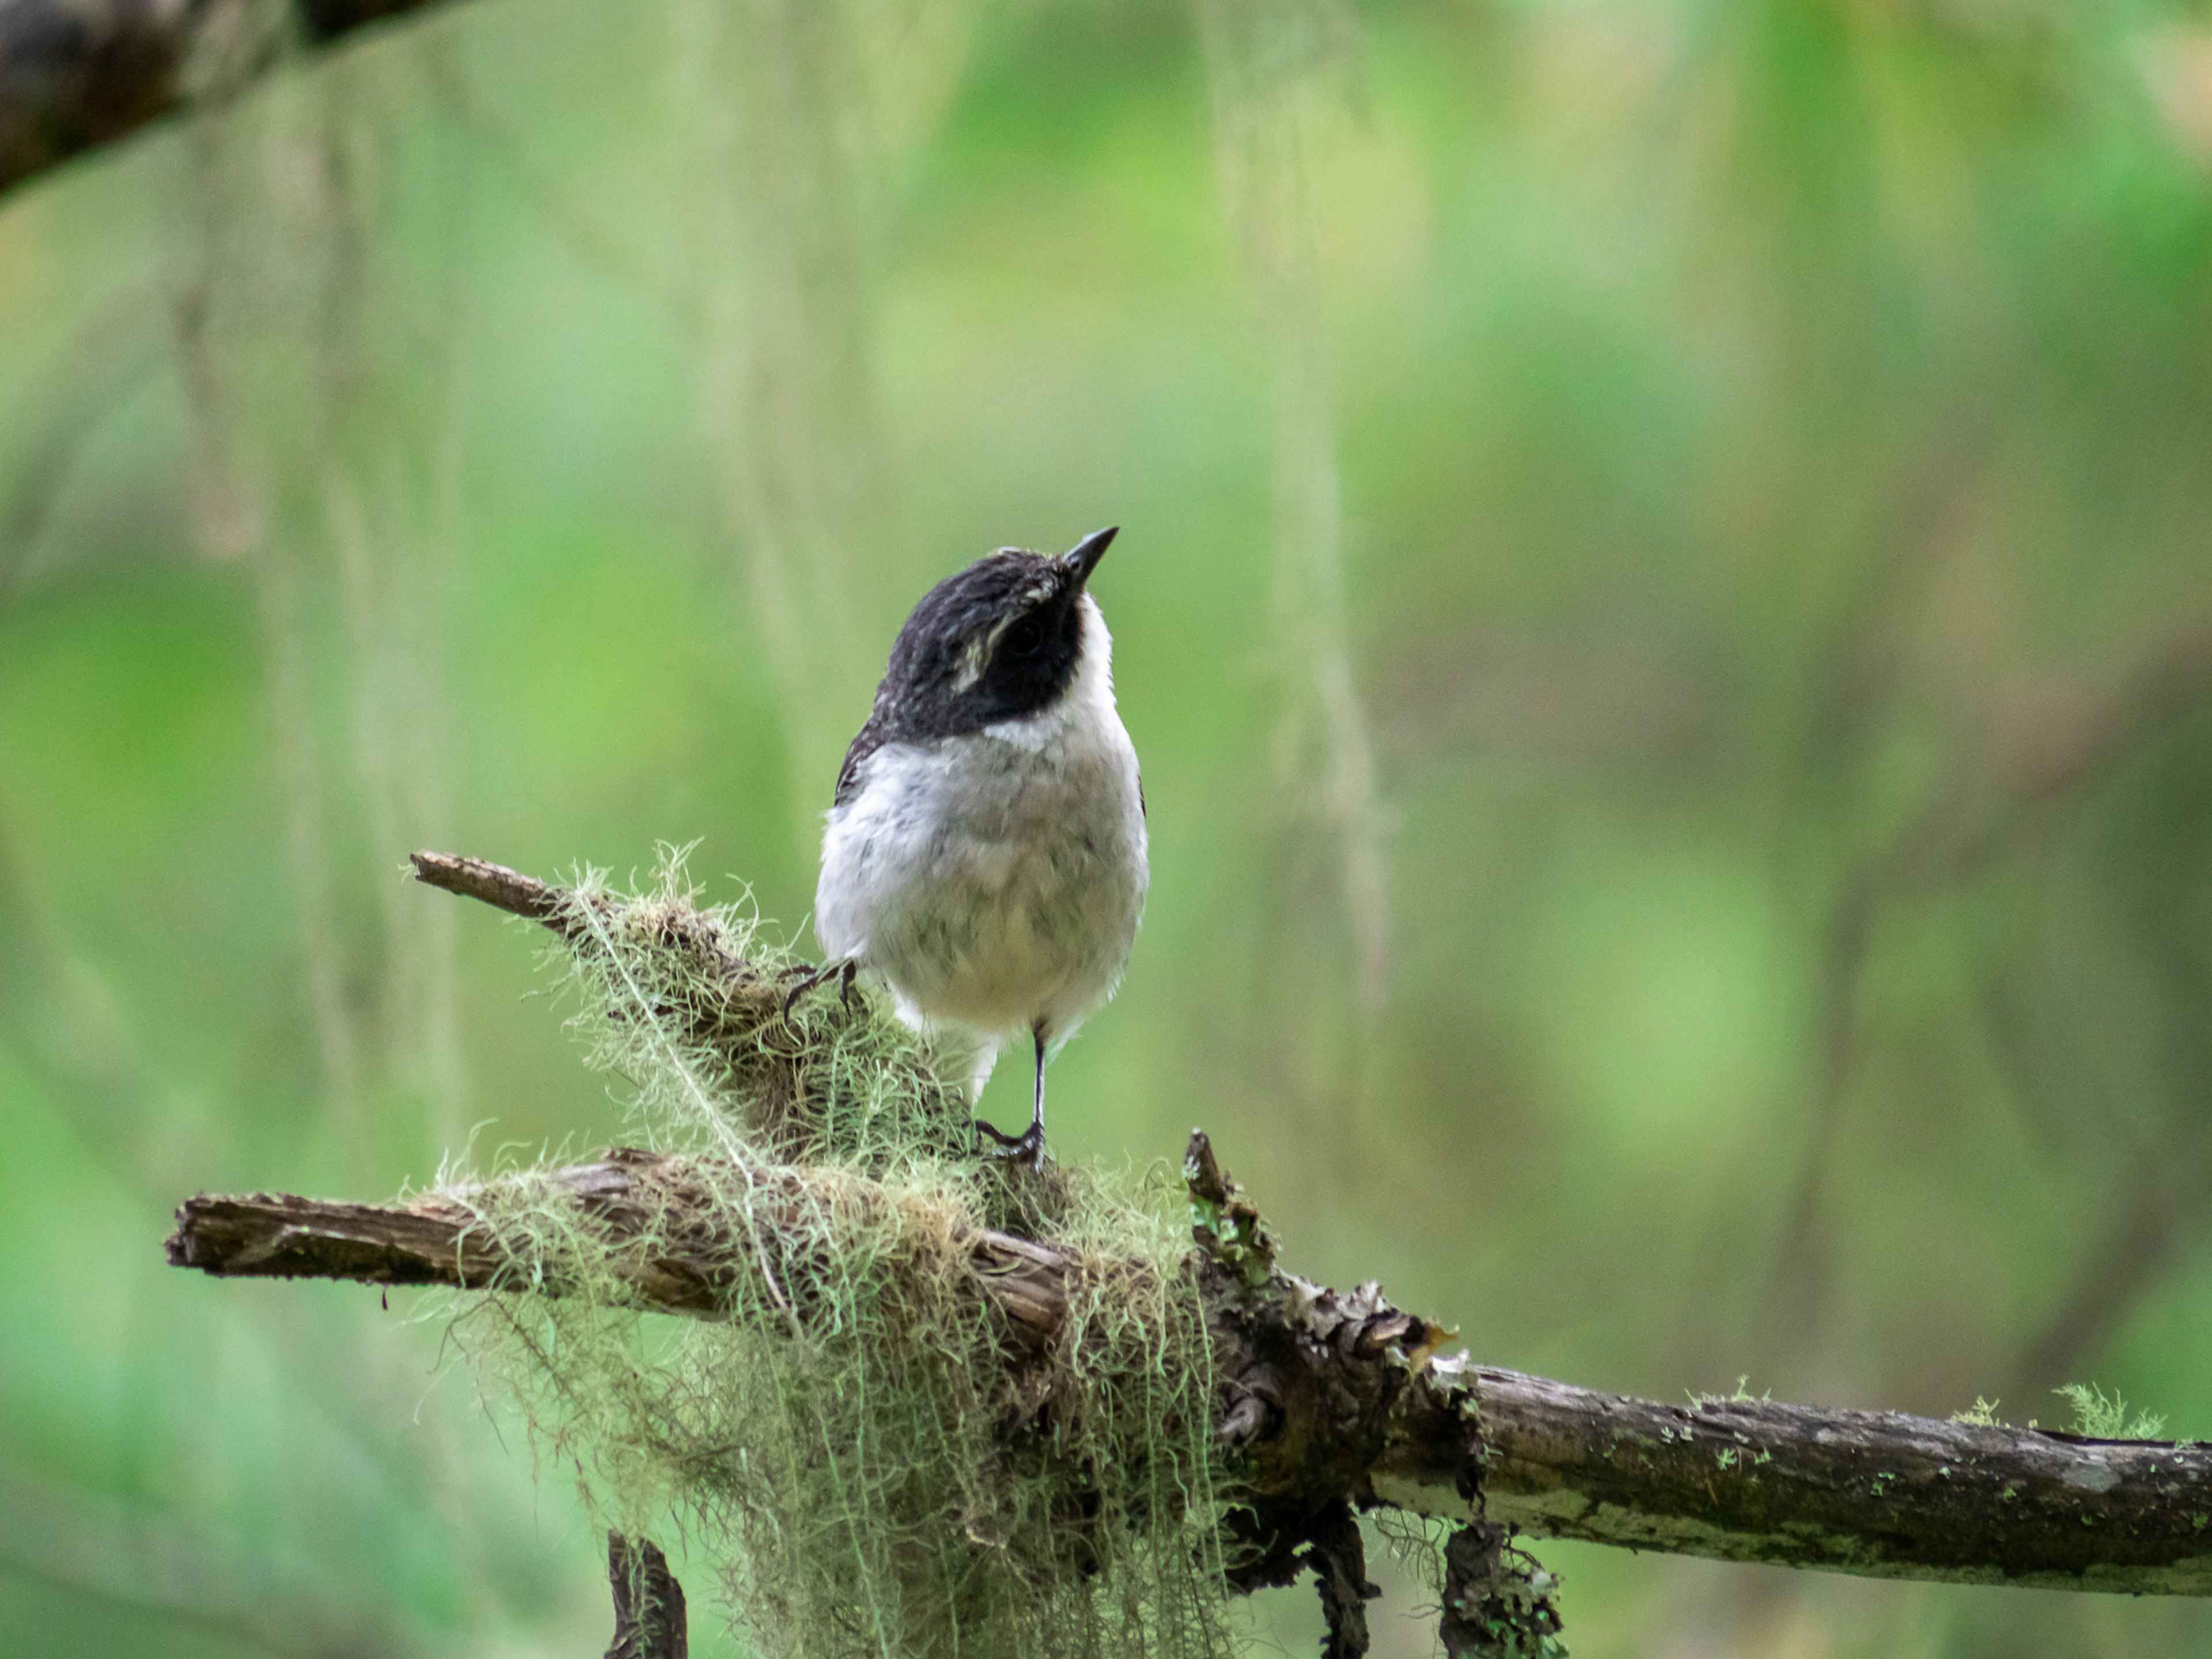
x: 1742, y: 1396
x: 2100, y: 1416
x: 853, y: 1445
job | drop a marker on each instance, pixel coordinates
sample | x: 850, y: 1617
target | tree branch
x: 1876, y: 1494
x: 1335, y: 1397
x: 1330, y: 1399
x: 693, y: 1261
x: 494, y: 883
x: 650, y: 1619
x: 78, y: 74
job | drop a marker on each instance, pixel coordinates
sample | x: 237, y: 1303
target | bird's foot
x: 843, y: 971
x: 1025, y: 1149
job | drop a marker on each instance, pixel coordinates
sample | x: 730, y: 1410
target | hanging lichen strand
x: 319, y: 364
x: 874, y: 1463
x: 1281, y: 76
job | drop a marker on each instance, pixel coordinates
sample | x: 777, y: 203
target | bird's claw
x: 844, y: 972
x: 1025, y: 1149
x: 807, y: 983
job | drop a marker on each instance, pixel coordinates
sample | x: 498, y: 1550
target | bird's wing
x: 870, y: 737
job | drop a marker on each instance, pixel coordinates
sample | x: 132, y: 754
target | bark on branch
x: 77, y: 74
x: 1337, y: 1398
x: 1340, y: 1400
x: 650, y: 1621
x: 442, y: 1239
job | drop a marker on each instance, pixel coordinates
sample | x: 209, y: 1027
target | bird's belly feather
x: 996, y: 882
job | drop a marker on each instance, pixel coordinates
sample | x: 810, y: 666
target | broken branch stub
x: 650, y: 1621
x: 1496, y: 1599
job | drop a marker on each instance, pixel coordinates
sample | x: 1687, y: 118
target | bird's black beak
x: 1083, y: 558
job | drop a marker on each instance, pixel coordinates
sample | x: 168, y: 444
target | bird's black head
x: 1001, y: 640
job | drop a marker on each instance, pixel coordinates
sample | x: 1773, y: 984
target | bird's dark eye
x: 1024, y: 638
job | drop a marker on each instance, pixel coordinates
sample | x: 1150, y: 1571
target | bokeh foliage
x: 1748, y: 456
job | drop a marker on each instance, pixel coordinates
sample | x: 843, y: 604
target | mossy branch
x: 813, y: 1196
x: 1335, y: 1398
x: 656, y: 1216
x: 1877, y: 1494
x: 1329, y: 1402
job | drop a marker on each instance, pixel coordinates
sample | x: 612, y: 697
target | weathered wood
x: 494, y: 883
x: 741, y: 1010
x: 1878, y: 1494
x: 693, y: 1263
x: 1334, y: 1396
x: 650, y: 1619
x: 78, y: 74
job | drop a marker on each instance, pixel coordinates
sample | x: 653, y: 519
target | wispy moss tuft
x: 872, y: 1465
x: 2100, y: 1416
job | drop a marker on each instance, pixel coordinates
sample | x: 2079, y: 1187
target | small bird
x: 986, y: 852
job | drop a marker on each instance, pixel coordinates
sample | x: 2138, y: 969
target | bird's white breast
x: 996, y: 878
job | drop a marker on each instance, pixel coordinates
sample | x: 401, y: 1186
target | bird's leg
x: 845, y: 977
x: 1034, y: 1133
x: 1029, y: 1146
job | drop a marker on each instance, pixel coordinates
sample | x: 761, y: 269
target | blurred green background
x: 1664, y: 598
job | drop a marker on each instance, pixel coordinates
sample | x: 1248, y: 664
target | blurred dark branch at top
x: 78, y: 74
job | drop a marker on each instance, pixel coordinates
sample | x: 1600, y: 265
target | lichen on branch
x: 925, y: 1401
x: 901, y: 1428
